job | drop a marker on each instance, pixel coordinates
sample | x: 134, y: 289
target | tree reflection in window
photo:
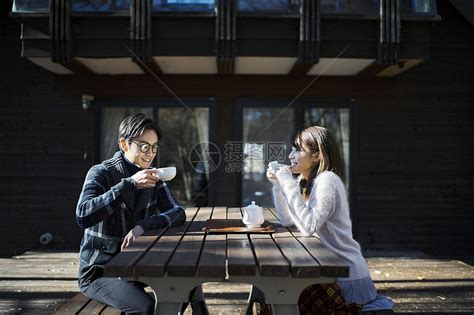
x: 183, y: 130
x: 269, y: 6
x: 183, y: 5
x: 337, y: 121
x: 100, y: 5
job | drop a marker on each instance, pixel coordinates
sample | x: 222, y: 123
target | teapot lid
x: 253, y: 205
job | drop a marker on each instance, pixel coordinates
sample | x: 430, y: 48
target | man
x: 121, y: 198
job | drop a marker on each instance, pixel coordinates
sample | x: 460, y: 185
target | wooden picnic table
x: 173, y: 261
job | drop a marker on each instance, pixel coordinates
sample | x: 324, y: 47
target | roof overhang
x: 100, y: 44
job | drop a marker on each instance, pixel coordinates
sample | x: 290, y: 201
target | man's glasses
x: 145, y: 146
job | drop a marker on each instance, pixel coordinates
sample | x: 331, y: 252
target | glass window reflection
x: 360, y: 7
x: 269, y: 6
x: 185, y: 133
x: 337, y: 121
x: 100, y: 5
x: 184, y: 5
x: 417, y: 7
x: 30, y: 5
x: 266, y: 137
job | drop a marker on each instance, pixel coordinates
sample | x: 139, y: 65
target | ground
x: 41, y: 282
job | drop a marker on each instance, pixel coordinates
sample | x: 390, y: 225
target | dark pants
x: 129, y: 297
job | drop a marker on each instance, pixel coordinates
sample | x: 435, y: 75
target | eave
x: 193, y: 36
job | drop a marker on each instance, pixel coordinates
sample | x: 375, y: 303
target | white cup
x: 166, y: 173
x: 274, y: 166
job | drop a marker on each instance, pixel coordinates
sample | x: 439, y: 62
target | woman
x: 316, y: 203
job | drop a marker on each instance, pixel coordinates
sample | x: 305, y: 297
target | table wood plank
x: 212, y: 262
x: 270, y: 259
x: 155, y: 261
x: 302, y: 264
x: 240, y: 258
x: 219, y: 213
x: 185, y: 258
x: 331, y: 264
x: 122, y: 264
x: 234, y: 213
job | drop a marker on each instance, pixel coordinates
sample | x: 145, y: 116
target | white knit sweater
x: 325, y: 214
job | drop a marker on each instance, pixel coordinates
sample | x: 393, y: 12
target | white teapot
x: 253, y: 216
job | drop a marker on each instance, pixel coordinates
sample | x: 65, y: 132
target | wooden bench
x: 80, y: 304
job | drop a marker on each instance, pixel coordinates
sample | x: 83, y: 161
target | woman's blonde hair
x: 319, y: 139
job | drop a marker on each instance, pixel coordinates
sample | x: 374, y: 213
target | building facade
x: 230, y: 82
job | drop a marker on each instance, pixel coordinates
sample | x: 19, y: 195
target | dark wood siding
x: 415, y: 160
x: 413, y: 165
x: 44, y: 133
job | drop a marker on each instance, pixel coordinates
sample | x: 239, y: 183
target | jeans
x: 129, y: 297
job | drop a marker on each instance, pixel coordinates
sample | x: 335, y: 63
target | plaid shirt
x: 107, y: 211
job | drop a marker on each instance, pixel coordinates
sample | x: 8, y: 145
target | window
x: 337, y: 121
x: 289, y: 7
x: 184, y: 5
x: 186, y: 131
x: 269, y: 6
x: 30, y: 5
x: 188, y: 1
x: 266, y: 137
x: 351, y: 7
x: 361, y: 7
x: 100, y: 5
x: 416, y: 7
x: 266, y: 132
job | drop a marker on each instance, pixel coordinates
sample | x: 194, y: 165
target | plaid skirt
x: 326, y: 299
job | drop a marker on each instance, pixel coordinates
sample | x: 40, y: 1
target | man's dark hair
x: 134, y: 125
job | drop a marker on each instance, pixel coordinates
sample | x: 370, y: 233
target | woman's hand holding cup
x: 273, y: 167
x: 271, y: 177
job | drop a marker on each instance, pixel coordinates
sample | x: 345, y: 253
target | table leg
x: 256, y: 295
x: 172, y: 292
x: 281, y: 293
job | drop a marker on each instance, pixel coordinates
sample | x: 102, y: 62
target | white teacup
x: 166, y: 173
x: 274, y: 166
